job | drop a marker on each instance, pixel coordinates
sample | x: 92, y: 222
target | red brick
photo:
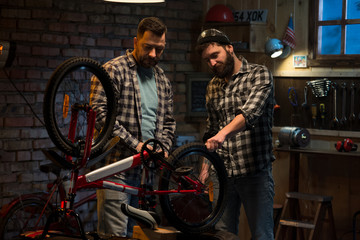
x: 19, y: 99
x: 91, y: 29
x: 73, y: 17
x: 38, y: 155
x: 128, y: 43
x: 45, y: 51
x: 74, y: 52
x: 27, y: 37
x: 15, y: 13
x: 35, y: 86
x: 123, y: 19
x: 7, y: 23
x: 53, y: 63
x: 5, y: 87
x: 17, y: 145
x: 6, y: 156
x: 94, y: 8
x: 124, y: 31
x: 18, y: 74
x: 23, y: 155
x: 45, y: 14
x: 119, y: 9
x: 18, y: 122
x: 26, y: 177
x: 103, y: 42
x: 93, y: 53
x: 8, y: 178
x: 76, y: 40
x: 42, y: 143
x: 101, y: 19
x: 33, y: 74
x: 55, y: 39
x: 27, y: 61
x: 31, y: 24
x: 63, y: 27
x: 23, y: 50
x: 38, y: 3
x: 34, y: 133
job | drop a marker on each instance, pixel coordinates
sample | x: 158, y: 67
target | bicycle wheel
x: 73, y: 84
x: 24, y: 216
x: 194, y: 213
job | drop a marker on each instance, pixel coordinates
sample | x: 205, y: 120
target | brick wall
x: 46, y: 33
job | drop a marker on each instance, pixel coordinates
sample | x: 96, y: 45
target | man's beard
x: 224, y: 69
x: 146, y: 61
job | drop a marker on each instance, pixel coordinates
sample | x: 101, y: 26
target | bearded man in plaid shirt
x: 240, y: 103
x: 145, y: 110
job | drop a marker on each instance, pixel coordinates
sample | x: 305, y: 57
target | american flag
x: 289, y: 36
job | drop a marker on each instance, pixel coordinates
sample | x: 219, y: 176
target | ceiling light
x: 136, y: 1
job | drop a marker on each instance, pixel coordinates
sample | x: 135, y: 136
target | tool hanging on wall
x: 292, y: 95
x: 335, y: 121
x: 322, y: 115
x: 359, y: 111
x: 352, y: 116
x: 319, y: 87
x: 305, y: 104
x: 343, y: 120
x: 314, y: 114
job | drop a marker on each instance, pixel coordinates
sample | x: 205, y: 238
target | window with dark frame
x: 334, y: 34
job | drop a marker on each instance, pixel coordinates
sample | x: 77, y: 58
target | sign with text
x: 257, y: 15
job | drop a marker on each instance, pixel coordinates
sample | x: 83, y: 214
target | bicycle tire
x: 69, y: 85
x: 194, y: 213
x: 22, y: 217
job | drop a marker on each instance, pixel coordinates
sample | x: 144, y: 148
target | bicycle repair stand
x: 59, y: 214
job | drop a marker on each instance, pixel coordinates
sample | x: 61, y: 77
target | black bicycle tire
x: 19, y: 205
x: 166, y: 205
x: 55, y: 134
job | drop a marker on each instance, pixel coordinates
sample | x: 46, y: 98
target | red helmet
x: 219, y: 13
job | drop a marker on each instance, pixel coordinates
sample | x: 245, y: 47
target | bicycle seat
x: 50, y: 168
x: 141, y: 216
x: 57, y: 159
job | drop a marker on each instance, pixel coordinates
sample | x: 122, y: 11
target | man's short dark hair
x: 152, y: 24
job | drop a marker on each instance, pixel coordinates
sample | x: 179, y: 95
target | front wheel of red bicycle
x: 194, y: 167
x: 77, y: 82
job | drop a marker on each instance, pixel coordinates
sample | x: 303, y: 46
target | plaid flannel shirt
x: 250, y: 93
x: 123, y: 72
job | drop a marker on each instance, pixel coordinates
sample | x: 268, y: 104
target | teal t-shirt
x: 149, y: 101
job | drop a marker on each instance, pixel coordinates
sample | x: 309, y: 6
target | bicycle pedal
x: 184, y: 171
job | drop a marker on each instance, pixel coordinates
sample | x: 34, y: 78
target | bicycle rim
x: 24, y: 216
x: 73, y: 83
x: 194, y: 213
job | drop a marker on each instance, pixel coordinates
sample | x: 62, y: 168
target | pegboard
x: 301, y: 116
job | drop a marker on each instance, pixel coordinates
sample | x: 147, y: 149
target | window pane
x: 352, y: 39
x: 353, y: 9
x: 330, y: 9
x: 330, y: 39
